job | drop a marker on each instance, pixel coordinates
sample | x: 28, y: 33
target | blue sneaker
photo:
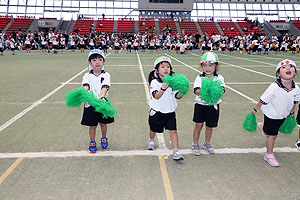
x: 104, y: 143
x: 93, y: 147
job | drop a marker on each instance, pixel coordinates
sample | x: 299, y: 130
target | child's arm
x: 162, y: 90
x: 86, y: 87
x: 103, y: 93
x: 256, y: 107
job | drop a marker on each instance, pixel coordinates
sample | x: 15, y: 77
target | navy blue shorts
x: 271, y: 126
x: 207, y: 114
x: 158, y: 121
x: 92, y: 118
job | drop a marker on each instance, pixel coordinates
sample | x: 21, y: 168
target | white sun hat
x: 162, y: 59
x: 285, y: 62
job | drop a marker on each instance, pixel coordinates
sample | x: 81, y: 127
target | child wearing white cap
x: 97, y: 80
x: 163, y: 105
x: 278, y: 102
x: 204, y: 111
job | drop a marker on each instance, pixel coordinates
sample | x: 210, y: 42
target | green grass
x: 51, y: 126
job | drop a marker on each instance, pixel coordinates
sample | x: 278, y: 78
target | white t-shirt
x: 198, y: 84
x: 167, y: 102
x: 96, y: 83
x: 278, y: 101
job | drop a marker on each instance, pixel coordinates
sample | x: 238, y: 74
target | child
x: 276, y: 103
x: 203, y: 112
x: 163, y: 105
x: 98, y: 82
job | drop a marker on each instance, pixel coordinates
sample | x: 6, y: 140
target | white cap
x: 96, y: 51
x: 285, y: 62
x: 162, y: 59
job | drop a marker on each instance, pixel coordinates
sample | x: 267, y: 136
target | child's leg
x: 270, y: 143
x: 152, y: 135
x: 174, y: 139
x: 103, y: 129
x: 92, y: 133
x: 208, y: 133
x: 196, y: 132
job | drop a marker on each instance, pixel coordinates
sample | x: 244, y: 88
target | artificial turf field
x: 43, y: 147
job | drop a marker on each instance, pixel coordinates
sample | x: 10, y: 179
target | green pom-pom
x: 178, y: 82
x: 288, y: 125
x: 250, y: 123
x: 76, y: 97
x: 211, y: 91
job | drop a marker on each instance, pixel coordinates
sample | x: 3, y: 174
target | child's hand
x: 103, y: 99
x: 253, y: 111
x: 165, y: 85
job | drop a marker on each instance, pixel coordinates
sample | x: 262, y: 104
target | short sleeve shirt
x: 96, y: 82
x: 198, y: 84
x: 167, y: 103
x: 278, y: 101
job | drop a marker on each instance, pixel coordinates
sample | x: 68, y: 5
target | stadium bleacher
x: 163, y: 23
x: 146, y: 25
x: 83, y: 26
x: 229, y: 27
x: 21, y: 23
x: 248, y: 27
x: 105, y: 25
x: 125, y: 25
x: 208, y: 27
x: 4, y: 20
x: 188, y: 26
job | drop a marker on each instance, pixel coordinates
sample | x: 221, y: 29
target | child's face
x: 209, y: 68
x: 97, y: 63
x: 164, y: 69
x: 286, y: 72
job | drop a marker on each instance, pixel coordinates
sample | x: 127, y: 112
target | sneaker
x: 298, y: 144
x: 260, y: 126
x: 151, y: 144
x: 208, y: 147
x: 177, y: 156
x: 196, y: 149
x: 104, y: 143
x: 93, y: 147
x: 271, y: 160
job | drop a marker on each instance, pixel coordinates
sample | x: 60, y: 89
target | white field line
x: 21, y: 114
x: 148, y: 97
x: 157, y: 152
x: 249, y: 60
x: 160, y: 136
x: 236, y: 91
x: 250, y: 70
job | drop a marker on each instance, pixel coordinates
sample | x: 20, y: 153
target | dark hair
x: 95, y: 56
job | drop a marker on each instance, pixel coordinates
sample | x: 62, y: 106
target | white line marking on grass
x: 18, y: 116
x: 243, y: 95
x: 250, y: 70
x: 21, y: 114
x: 234, y: 90
x: 157, y: 152
x: 249, y: 60
x: 144, y: 79
x: 160, y: 136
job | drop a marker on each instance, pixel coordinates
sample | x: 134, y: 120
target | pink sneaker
x: 260, y: 126
x: 271, y: 160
